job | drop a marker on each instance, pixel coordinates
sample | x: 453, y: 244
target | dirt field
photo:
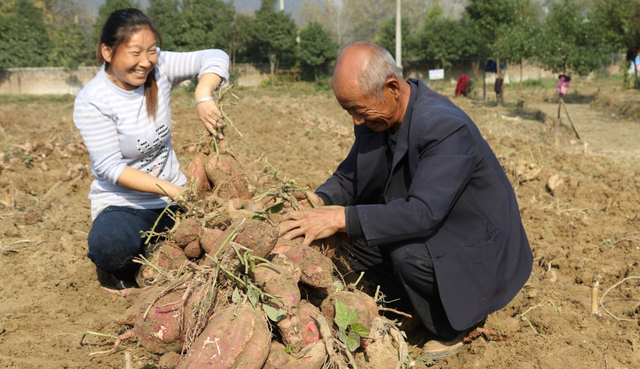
x: 580, y: 204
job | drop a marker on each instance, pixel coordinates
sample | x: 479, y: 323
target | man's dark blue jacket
x: 445, y: 186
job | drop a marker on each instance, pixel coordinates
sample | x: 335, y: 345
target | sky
x: 290, y: 6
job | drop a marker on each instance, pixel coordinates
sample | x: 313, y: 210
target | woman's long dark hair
x: 116, y: 32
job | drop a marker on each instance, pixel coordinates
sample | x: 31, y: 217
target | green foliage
x: 445, y: 39
x: 24, y: 40
x: 275, y: 32
x: 518, y: 41
x: 569, y: 42
x: 242, y: 32
x: 203, y: 24
x: 69, y: 47
x: 163, y: 15
x: 349, y: 330
x: 105, y: 10
x: 317, y: 49
x: 620, y: 22
x: 489, y: 15
x: 386, y: 38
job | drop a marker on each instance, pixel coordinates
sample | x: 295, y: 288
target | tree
x: 163, y: 14
x: 492, y: 16
x: 275, y: 36
x: 620, y: 21
x: 517, y: 42
x: 24, y: 40
x: 317, y: 48
x: 386, y: 38
x: 204, y: 24
x: 335, y: 16
x: 445, y: 39
x: 242, y: 33
x: 69, y: 47
x: 569, y: 42
x: 105, y: 10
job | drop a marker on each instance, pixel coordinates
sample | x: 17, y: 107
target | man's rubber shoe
x: 437, y: 350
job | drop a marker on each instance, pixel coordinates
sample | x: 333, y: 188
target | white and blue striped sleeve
x: 181, y: 66
x: 95, y: 121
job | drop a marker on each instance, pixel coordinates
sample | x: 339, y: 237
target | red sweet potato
x: 193, y: 250
x: 169, y: 360
x: 236, y: 337
x: 187, y: 231
x: 353, y: 300
x: 258, y: 236
x: 161, y: 326
x: 209, y: 237
x: 197, y: 176
x: 166, y: 256
x: 314, y: 357
x: 380, y: 350
x: 281, y: 282
x: 317, y: 269
x: 227, y: 176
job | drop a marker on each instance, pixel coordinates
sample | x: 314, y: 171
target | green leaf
x: 276, y: 208
x: 258, y: 217
x: 235, y: 297
x: 359, y: 329
x: 353, y: 341
x: 345, y: 316
x: 254, y: 296
x: 342, y: 336
x: 275, y: 315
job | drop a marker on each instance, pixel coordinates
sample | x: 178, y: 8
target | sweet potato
x: 317, y: 269
x: 166, y: 256
x: 353, y: 300
x: 208, y: 238
x: 227, y: 176
x: 236, y: 337
x: 282, y: 282
x: 197, y: 176
x: 187, y: 231
x: 314, y: 357
x: 193, y: 250
x: 161, y: 326
x: 380, y: 350
x: 169, y: 360
x: 258, y: 236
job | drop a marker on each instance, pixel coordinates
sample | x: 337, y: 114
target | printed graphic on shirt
x: 157, y: 151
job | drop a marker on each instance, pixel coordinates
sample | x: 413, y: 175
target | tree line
x: 568, y: 36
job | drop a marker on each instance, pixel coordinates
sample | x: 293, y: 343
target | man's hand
x: 313, y: 224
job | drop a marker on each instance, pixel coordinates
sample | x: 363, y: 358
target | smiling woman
x: 124, y: 117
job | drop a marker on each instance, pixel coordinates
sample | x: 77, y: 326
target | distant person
x: 433, y: 216
x: 463, y: 86
x: 124, y: 117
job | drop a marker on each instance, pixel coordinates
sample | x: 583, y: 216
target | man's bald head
x: 366, y: 65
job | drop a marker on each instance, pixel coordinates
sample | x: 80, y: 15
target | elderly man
x: 434, y: 216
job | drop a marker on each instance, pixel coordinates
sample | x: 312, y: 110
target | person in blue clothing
x: 433, y: 216
x: 124, y: 117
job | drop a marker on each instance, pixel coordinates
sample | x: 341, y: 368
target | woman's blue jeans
x: 116, y: 238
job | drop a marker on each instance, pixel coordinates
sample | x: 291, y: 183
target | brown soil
x: 584, y: 227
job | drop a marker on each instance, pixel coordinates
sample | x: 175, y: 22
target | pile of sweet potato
x: 222, y: 290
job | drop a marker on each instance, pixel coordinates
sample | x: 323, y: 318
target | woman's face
x: 133, y: 62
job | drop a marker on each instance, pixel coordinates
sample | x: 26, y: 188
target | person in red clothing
x: 462, y: 88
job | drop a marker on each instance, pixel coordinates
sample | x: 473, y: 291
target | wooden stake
x: 570, y: 120
x: 594, y: 296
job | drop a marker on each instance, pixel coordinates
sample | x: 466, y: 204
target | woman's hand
x: 208, y: 110
x: 211, y: 117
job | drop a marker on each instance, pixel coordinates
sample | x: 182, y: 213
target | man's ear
x: 394, y: 86
x: 106, y: 53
